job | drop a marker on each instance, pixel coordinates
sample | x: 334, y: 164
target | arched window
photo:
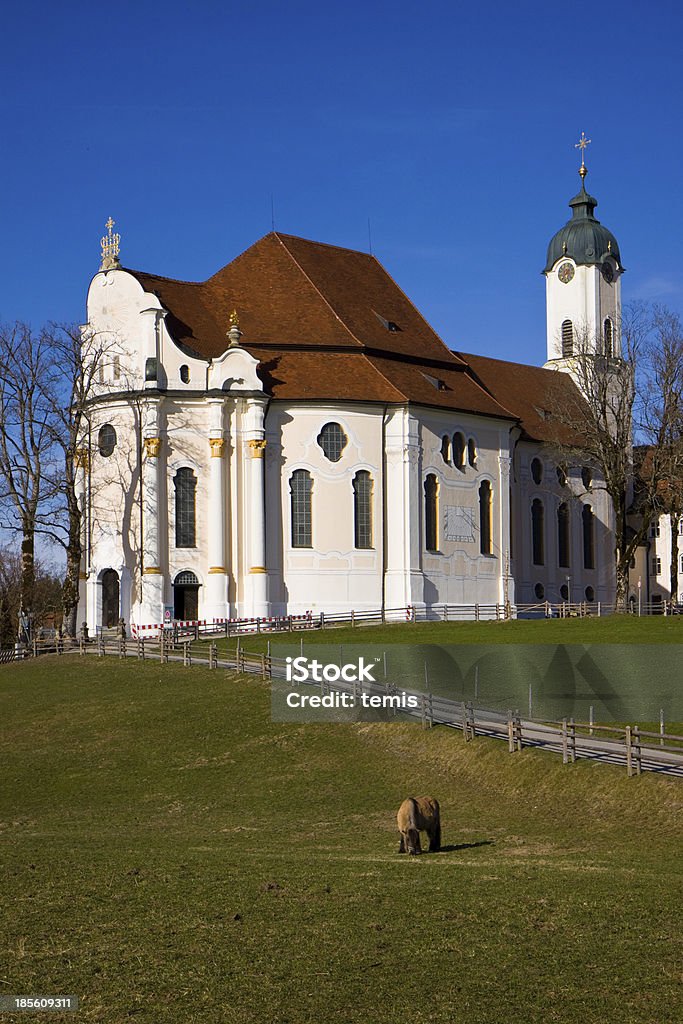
x: 185, y: 483
x: 431, y: 513
x: 472, y: 452
x: 563, y: 535
x: 333, y: 441
x: 567, y: 339
x: 362, y: 509
x: 301, y: 486
x: 537, y: 531
x: 185, y: 373
x: 106, y: 440
x: 590, y: 594
x: 586, y: 478
x: 607, y: 337
x: 588, y: 537
x: 485, y: 507
x: 539, y: 591
x: 458, y: 450
x: 536, y: 470
x: 446, y: 448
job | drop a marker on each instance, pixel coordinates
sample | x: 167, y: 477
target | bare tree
x: 46, y: 594
x: 660, y: 427
x: 27, y: 485
x: 633, y: 395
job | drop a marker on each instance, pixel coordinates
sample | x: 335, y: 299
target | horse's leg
x: 402, y: 843
x: 435, y: 837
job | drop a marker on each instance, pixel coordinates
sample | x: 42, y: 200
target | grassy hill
x: 173, y: 855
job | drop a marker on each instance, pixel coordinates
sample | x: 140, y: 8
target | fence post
x: 662, y: 730
x: 629, y: 753
x: 476, y: 613
x: 565, y: 745
x: 636, y: 747
x: 518, y: 731
x: 322, y: 620
x: 100, y: 646
x: 264, y: 674
x: 213, y: 655
x: 572, y: 740
x: 511, y: 733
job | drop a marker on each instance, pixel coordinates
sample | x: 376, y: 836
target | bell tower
x: 583, y: 284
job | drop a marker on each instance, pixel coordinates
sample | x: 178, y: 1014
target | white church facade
x: 292, y: 435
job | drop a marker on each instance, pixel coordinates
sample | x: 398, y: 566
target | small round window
x: 106, y: 440
x: 539, y: 591
x: 590, y: 594
x: 564, y: 592
x: 333, y: 441
x: 536, y: 471
x: 185, y: 373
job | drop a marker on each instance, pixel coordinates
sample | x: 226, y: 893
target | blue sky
x: 450, y: 126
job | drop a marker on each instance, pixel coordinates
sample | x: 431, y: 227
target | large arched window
x: 563, y: 535
x: 537, y: 532
x: 362, y: 509
x: 185, y: 483
x: 588, y: 537
x: 431, y: 513
x: 608, y: 337
x: 301, y: 486
x: 567, y: 339
x: 485, y: 517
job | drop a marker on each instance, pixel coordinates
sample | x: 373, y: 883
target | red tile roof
x: 330, y: 323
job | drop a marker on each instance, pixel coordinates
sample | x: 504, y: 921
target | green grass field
x: 170, y: 854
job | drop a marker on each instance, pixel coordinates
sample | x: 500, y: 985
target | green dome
x: 583, y: 238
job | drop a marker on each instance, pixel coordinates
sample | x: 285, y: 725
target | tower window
x: 185, y: 373
x: 446, y: 448
x: 537, y: 530
x: 563, y: 535
x: 333, y: 441
x: 301, y: 487
x: 607, y: 337
x: 106, y: 440
x: 431, y: 513
x: 185, y: 483
x: 567, y: 339
x: 536, y: 470
x: 588, y: 537
x: 362, y: 509
x: 458, y: 450
x: 485, y: 503
x: 472, y: 453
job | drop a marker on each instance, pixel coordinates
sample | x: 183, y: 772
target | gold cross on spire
x: 581, y: 144
x: 110, y: 248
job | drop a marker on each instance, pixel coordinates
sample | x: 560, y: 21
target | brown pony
x: 415, y: 815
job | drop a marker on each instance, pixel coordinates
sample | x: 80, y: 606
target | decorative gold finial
x: 110, y: 248
x: 234, y: 333
x: 581, y: 144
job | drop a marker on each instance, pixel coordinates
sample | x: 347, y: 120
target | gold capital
x: 152, y: 447
x: 151, y: 570
x: 217, y: 446
x: 258, y: 570
x: 258, y: 448
x: 216, y: 570
x: 82, y: 458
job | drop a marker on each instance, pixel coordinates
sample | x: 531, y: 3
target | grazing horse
x: 415, y: 815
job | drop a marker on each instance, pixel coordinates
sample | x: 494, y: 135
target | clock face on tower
x: 566, y: 273
x: 607, y: 272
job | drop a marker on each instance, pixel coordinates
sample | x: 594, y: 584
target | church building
x: 292, y: 435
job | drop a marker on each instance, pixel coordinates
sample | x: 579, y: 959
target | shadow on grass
x: 466, y: 846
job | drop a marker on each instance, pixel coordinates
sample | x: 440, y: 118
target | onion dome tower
x: 583, y: 283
